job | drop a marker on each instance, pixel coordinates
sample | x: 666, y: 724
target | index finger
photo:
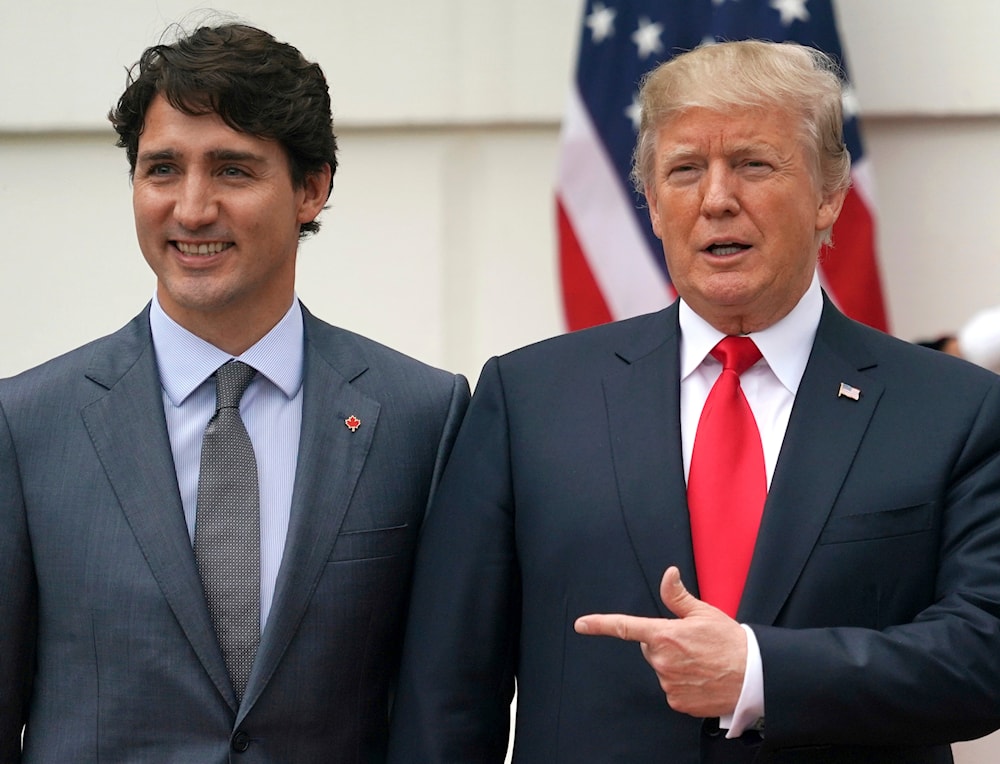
x: 628, y: 627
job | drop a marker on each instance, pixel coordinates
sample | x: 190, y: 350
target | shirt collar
x: 185, y: 360
x: 785, y: 345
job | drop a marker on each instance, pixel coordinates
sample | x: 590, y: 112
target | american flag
x: 611, y: 264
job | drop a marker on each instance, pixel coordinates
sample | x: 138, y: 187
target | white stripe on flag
x: 605, y: 225
x: 864, y: 182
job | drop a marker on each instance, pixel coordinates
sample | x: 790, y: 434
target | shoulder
x: 596, y: 350
x: 371, y: 363
x: 78, y: 369
x: 905, y: 367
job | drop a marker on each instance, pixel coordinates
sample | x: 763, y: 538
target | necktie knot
x: 231, y: 381
x: 736, y: 354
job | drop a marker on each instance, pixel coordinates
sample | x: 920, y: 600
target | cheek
x: 267, y: 214
x: 674, y: 229
x: 148, y: 207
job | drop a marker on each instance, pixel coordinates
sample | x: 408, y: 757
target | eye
x: 233, y: 172
x: 160, y: 169
x: 681, y: 173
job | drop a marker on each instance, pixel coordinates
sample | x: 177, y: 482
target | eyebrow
x: 218, y: 155
x: 733, y: 147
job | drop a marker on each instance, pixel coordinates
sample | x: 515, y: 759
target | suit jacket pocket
x: 371, y: 544
x: 878, y: 525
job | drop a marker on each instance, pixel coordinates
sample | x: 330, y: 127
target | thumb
x: 676, y: 597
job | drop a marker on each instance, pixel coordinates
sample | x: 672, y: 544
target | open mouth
x: 205, y: 248
x: 727, y: 248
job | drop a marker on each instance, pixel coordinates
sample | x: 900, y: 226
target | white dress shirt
x: 271, y: 409
x: 769, y: 386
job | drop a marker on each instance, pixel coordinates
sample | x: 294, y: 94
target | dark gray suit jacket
x: 107, y: 652
x: 874, y: 589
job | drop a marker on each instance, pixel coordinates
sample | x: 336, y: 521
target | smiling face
x: 217, y: 218
x: 734, y: 198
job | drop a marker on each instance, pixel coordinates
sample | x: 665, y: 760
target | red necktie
x: 727, y: 484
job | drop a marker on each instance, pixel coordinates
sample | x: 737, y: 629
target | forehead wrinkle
x: 704, y: 143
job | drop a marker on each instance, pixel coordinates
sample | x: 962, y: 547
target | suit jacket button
x: 710, y: 728
x: 241, y: 741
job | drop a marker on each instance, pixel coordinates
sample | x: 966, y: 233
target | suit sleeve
x: 457, y: 677
x: 17, y: 602
x: 932, y: 680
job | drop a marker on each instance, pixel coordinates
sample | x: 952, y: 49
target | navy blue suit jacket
x: 874, y: 589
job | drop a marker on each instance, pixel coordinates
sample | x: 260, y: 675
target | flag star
x: 601, y: 22
x: 647, y: 37
x: 849, y: 99
x: 791, y: 10
x: 634, y: 112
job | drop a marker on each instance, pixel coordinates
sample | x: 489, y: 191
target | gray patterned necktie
x: 227, y: 527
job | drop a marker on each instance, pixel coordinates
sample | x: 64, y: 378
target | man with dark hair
x: 207, y: 519
x: 742, y: 529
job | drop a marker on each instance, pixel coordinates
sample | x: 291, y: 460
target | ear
x: 316, y: 186
x: 654, y: 211
x: 829, y: 209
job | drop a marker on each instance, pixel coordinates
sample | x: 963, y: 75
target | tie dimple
x: 736, y: 354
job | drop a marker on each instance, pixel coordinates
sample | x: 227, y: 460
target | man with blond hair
x: 742, y: 529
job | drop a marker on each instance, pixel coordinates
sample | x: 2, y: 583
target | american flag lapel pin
x: 848, y: 391
x: 353, y: 423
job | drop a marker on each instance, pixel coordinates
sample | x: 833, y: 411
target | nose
x: 196, y: 205
x: 719, y: 192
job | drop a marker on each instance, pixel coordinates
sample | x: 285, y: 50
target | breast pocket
x: 371, y: 544
x: 870, y: 526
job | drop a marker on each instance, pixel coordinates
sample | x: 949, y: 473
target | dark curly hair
x: 256, y: 84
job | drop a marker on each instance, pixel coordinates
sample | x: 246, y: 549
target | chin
x: 728, y: 289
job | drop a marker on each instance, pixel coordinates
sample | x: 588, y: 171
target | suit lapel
x: 331, y: 457
x: 824, y: 432
x: 129, y: 433
x: 643, y: 404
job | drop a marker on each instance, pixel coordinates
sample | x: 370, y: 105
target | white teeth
x: 202, y: 249
x: 726, y: 249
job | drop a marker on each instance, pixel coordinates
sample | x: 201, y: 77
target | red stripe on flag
x: 850, y: 267
x: 583, y: 303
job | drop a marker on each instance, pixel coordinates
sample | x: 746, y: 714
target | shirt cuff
x: 749, y: 711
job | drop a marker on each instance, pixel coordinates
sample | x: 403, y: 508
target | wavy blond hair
x: 750, y: 74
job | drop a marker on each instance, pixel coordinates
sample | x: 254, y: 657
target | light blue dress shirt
x: 271, y: 410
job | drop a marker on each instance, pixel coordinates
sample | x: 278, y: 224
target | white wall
x: 439, y: 239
